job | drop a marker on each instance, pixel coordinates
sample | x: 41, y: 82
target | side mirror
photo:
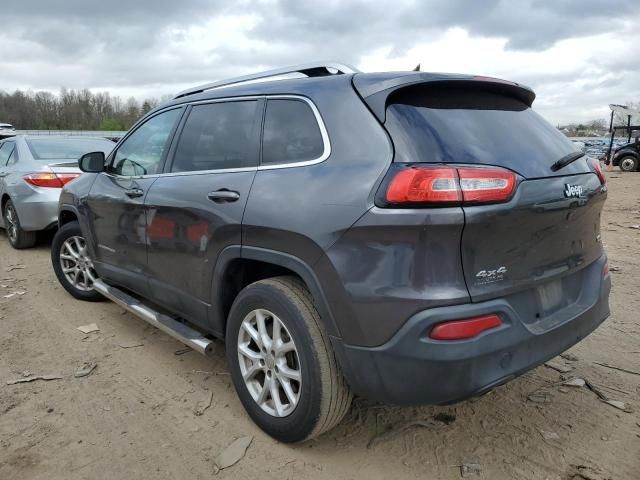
x: 92, y: 162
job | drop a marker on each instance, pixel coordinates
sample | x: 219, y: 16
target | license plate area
x: 551, y: 297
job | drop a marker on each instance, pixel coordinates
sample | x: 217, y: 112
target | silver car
x: 33, y: 170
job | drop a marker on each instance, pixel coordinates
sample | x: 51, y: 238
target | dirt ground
x: 133, y: 416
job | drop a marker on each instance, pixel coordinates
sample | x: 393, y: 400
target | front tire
x: 629, y: 164
x: 282, y: 363
x: 18, y: 238
x: 71, y: 263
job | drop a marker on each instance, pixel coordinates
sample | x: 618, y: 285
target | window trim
x: 323, y: 133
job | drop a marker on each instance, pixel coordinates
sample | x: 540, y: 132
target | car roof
x: 376, y: 86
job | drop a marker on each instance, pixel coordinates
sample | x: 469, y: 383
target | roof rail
x: 315, y: 69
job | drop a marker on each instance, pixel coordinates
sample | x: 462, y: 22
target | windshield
x: 66, y: 148
x: 453, y: 125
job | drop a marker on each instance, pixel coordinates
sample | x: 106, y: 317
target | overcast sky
x: 578, y: 55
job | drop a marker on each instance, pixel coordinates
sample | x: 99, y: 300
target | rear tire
x: 321, y: 397
x: 629, y: 164
x: 18, y: 238
x: 71, y: 263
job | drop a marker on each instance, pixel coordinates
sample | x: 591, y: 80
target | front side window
x: 218, y: 136
x: 291, y: 133
x: 142, y: 152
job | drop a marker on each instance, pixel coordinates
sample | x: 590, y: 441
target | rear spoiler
x: 375, y: 88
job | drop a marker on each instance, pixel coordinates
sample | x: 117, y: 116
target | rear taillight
x: 486, y: 185
x: 464, y: 329
x: 597, y: 169
x: 605, y: 268
x: 50, y: 180
x: 424, y: 184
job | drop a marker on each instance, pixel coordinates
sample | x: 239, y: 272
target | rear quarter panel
x: 303, y: 210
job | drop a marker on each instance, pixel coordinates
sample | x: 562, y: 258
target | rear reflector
x: 463, y: 329
x: 452, y: 185
x: 605, y: 268
x: 50, y: 180
x: 597, y: 169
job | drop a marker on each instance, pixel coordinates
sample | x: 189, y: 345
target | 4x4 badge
x: 491, y: 276
x: 571, y: 191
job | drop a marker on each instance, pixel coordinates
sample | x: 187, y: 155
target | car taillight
x: 421, y: 185
x: 425, y: 184
x: 486, y: 185
x: 50, y: 180
x: 597, y: 169
x: 466, y: 328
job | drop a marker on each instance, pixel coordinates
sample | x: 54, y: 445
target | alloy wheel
x: 11, y: 222
x: 77, y: 267
x: 269, y: 363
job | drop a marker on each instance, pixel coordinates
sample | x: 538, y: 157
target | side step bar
x: 177, y: 330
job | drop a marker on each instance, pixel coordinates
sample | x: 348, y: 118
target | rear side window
x: 218, y: 136
x: 291, y: 133
x: 471, y: 125
x: 5, y: 152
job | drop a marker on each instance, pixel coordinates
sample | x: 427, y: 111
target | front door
x: 116, y: 202
x: 194, y: 210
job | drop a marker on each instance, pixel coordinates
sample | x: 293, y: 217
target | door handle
x: 134, y: 193
x: 223, y: 195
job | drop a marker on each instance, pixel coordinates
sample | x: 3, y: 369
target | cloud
x: 576, y: 54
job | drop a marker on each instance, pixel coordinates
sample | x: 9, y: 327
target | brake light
x: 597, y: 169
x: 452, y: 185
x: 420, y: 185
x: 50, y: 180
x: 463, y: 329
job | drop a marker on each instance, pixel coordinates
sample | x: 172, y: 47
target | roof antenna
x: 417, y: 69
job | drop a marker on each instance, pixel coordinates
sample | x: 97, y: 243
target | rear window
x: 454, y: 125
x: 67, y: 148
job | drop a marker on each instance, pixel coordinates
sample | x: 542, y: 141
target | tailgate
x: 550, y: 228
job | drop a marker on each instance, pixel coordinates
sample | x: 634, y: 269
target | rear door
x: 549, y: 228
x: 194, y: 210
x: 116, y: 202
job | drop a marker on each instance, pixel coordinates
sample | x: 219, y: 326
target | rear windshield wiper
x: 566, y: 160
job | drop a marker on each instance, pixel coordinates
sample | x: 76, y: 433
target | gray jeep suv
x: 409, y: 237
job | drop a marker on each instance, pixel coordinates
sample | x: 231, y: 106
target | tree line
x: 71, y: 110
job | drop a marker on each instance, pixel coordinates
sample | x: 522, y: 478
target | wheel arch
x: 3, y: 201
x: 237, y: 267
x: 67, y: 214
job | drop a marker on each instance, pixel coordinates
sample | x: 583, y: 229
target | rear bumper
x: 412, y: 369
x: 38, y: 208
